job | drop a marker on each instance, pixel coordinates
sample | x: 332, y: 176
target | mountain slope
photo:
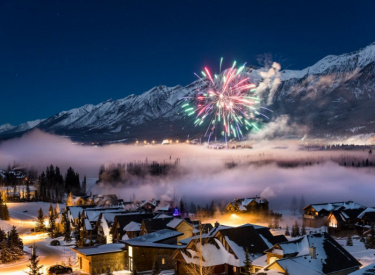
x: 335, y: 96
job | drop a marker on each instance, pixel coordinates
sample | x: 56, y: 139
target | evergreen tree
x: 302, y: 204
x: 84, y: 184
x: 371, y: 237
x: 5, y: 256
x: 287, y: 233
x: 5, y: 213
x: 67, y: 229
x: 34, y: 263
x: 2, y: 235
x: 28, y: 195
x: 52, y: 222
x: 14, y: 238
x: 303, y: 229
x: 349, y: 241
x: 293, y: 205
x: 69, y: 200
x: 296, y: 226
x: 247, y: 262
x: 40, y: 227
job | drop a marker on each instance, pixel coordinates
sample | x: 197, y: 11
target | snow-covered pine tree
x: 247, y: 262
x: 349, y: 241
x: 287, y: 233
x: 35, y: 268
x: 67, y: 229
x: 40, y: 227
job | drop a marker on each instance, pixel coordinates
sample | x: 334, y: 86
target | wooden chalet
x: 121, y: 221
x: 247, y: 205
x: 223, y: 249
x: 315, y: 215
x: 314, y: 254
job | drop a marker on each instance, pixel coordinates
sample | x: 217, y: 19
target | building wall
x: 98, y: 264
x: 144, y: 258
x: 185, y: 228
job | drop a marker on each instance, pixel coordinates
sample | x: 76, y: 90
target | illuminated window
x: 272, y: 259
x: 234, y: 269
x: 162, y: 261
x: 130, y: 251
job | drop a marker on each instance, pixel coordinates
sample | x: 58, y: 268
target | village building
x: 315, y: 215
x: 341, y: 223
x: 314, y: 254
x: 119, y: 227
x: 96, y: 260
x: 223, y: 249
x: 365, y: 219
x: 144, y: 251
x: 247, y: 205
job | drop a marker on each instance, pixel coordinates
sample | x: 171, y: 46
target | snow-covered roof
x: 367, y: 270
x: 132, y: 226
x: 156, y: 236
x: 174, y: 223
x: 330, y: 256
x: 369, y: 209
x: 87, y: 224
x: 261, y: 261
x: 336, y: 206
x: 213, y: 254
x: 101, y: 249
x: 162, y: 207
x: 162, y: 216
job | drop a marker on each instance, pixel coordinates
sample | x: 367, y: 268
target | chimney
x: 312, y: 251
x: 217, y: 224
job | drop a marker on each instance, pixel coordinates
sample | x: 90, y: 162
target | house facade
x: 247, y: 205
x: 315, y: 215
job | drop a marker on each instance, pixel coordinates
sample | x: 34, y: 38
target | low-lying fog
x: 204, y: 175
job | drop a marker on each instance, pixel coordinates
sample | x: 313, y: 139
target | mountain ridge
x: 336, y: 87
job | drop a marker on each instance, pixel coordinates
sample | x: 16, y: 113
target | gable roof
x: 336, y: 206
x: 330, y: 256
x: 152, y: 225
x: 101, y: 249
x: 124, y: 219
x: 367, y: 270
x: 256, y: 239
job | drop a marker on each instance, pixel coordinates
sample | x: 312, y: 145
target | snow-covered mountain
x: 6, y: 127
x: 334, y: 96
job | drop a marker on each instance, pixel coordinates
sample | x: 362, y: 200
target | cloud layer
x: 204, y: 175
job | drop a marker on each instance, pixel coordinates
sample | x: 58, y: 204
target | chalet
x: 99, y: 259
x: 341, y: 223
x: 181, y: 225
x: 75, y: 211
x: 132, y: 229
x: 247, y: 205
x: 223, y: 249
x: 144, y: 251
x: 149, y: 206
x: 164, y: 207
x: 309, y: 255
x: 315, y: 215
x: 151, y: 225
x: 118, y: 230
x: 365, y: 219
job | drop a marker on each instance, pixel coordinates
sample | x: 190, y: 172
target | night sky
x: 59, y: 55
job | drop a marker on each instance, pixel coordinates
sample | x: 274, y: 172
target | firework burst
x: 229, y: 104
